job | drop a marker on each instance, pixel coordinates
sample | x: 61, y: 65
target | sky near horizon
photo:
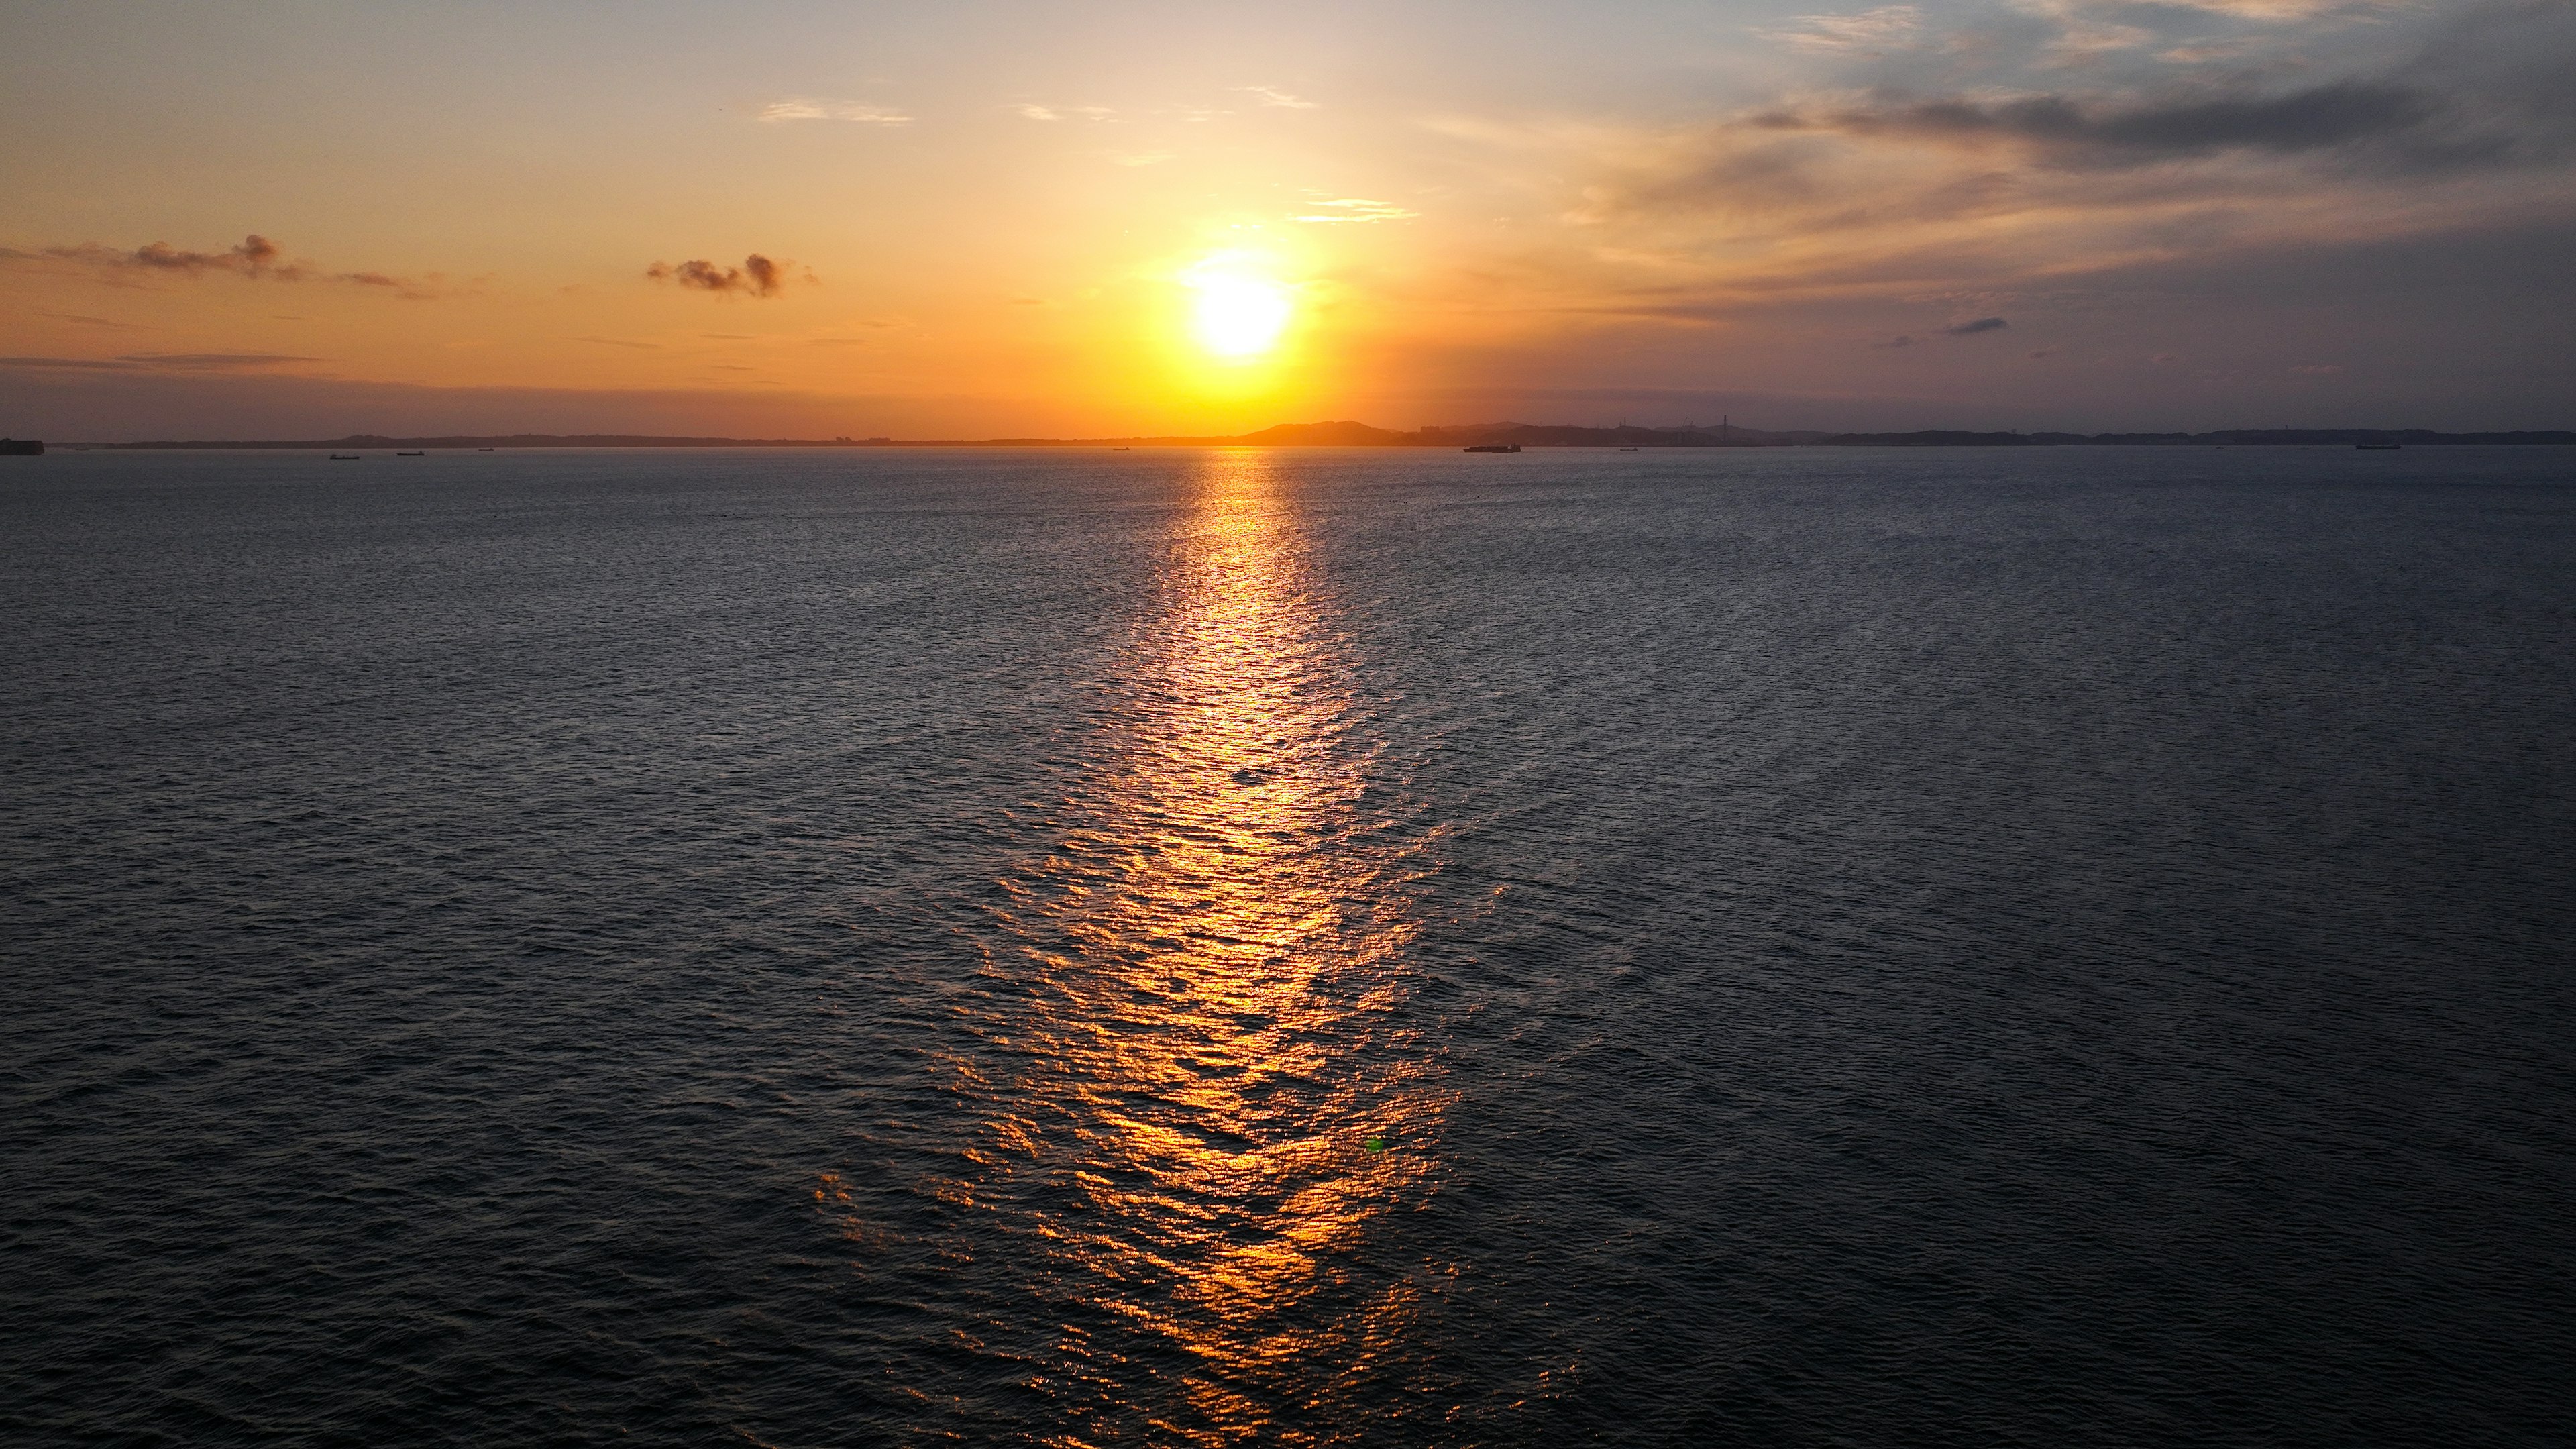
x: 985, y: 219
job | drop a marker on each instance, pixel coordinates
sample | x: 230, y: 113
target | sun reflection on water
x: 1219, y: 1100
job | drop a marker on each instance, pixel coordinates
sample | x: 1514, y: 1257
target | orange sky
x: 1005, y: 219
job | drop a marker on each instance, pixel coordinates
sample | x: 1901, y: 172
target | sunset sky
x: 978, y: 219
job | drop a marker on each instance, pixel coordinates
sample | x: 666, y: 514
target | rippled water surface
x: 1176, y: 948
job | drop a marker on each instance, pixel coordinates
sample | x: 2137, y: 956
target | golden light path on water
x: 1218, y: 1103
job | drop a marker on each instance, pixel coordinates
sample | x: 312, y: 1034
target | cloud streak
x: 160, y: 362
x: 800, y: 109
x: 1355, y: 209
x: 256, y: 258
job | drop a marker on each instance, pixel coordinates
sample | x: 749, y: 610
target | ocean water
x: 1276, y: 948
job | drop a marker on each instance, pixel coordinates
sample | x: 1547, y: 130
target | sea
x: 891, y: 947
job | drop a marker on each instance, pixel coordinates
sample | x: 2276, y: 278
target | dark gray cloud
x: 256, y: 256
x: 1982, y: 324
x: 758, y: 276
x: 2085, y: 132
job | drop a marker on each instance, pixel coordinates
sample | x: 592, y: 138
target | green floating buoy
x: 1375, y: 1144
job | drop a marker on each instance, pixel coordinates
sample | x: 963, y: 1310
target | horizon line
x: 1350, y: 433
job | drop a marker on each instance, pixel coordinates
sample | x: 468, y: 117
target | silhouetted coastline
x: 1348, y: 434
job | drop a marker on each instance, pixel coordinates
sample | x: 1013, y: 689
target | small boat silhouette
x: 1493, y: 448
x: 344, y: 457
x: 2377, y: 447
x: 411, y: 455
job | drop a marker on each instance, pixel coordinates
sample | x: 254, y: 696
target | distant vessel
x: 2377, y: 447
x: 344, y: 457
x: 22, y: 447
x: 1494, y: 448
x: 411, y: 455
x: 482, y: 450
x: 1627, y: 450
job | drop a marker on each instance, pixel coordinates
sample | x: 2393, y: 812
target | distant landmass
x: 1347, y: 434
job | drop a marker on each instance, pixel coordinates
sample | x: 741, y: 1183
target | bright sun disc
x: 1239, y: 316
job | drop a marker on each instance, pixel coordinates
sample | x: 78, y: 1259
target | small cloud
x: 2319, y: 369
x: 734, y: 367
x: 621, y: 342
x: 1353, y: 208
x: 1971, y: 329
x: 1038, y: 113
x: 1872, y: 32
x: 758, y: 275
x: 1140, y: 158
x: 808, y: 110
x: 1273, y: 96
x: 1894, y: 342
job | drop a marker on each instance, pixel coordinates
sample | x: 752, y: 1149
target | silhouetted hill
x: 2231, y: 438
x: 1933, y: 438
x: 1330, y: 435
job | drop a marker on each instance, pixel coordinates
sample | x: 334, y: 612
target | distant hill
x: 1349, y: 434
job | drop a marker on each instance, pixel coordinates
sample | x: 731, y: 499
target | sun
x: 1240, y: 312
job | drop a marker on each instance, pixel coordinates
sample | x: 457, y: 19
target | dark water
x: 1802, y: 947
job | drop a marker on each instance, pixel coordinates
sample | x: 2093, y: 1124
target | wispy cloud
x: 1355, y: 209
x: 802, y: 109
x: 622, y: 342
x: 1274, y: 96
x: 1972, y: 168
x: 1035, y: 112
x: 101, y: 322
x: 1971, y: 329
x: 758, y: 276
x: 1889, y: 27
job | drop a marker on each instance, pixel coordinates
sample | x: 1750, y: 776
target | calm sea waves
x: 1071, y: 948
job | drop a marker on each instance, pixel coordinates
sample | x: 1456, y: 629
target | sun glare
x: 1239, y: 314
